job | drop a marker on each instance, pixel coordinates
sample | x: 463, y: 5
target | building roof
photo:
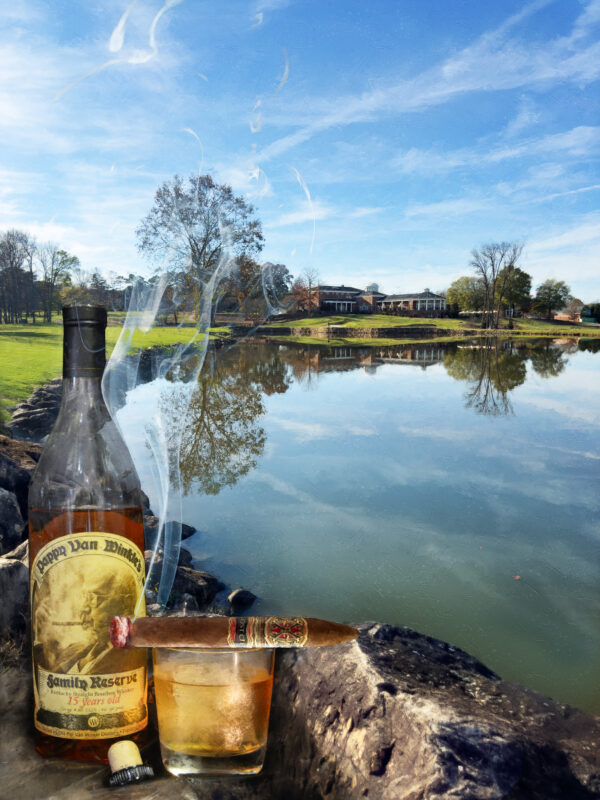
x: 323, y: 288
x: 415, y: 296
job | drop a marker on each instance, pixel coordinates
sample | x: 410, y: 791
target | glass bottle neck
x: 90, y: 385
x: 83, y: 396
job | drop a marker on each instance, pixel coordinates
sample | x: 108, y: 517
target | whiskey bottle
x: 86, y: 543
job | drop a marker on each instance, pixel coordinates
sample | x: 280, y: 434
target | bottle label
x: 83, y: 687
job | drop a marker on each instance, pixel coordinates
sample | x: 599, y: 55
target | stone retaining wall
x: 343, y: 332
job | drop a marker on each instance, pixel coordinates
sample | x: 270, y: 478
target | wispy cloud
x: 569, y: 253
x: 448, y: 208
x: 529, y: 114
x: 311, y: 431
x: 494, y: 62
x: 358, y: 213
x: 307, y: 213
x: 578, y: 142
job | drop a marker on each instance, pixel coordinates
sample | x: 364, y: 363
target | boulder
x: 17, y: 462
x: 193, y: 590
x: 33, y: 420
x: 187, y: 531
x: 151, y: 526
x: 12, y: 527
x: 14, y: 592
x: 240, y: 599
x: 201, y: 585
x: 395, y: 715
x: 398, y: 715
x: 21, y: 552
x: 219, y: 606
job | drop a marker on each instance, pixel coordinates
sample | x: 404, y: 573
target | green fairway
x: 529, y: 327
x: 369, y: 321
x: 31, y: 355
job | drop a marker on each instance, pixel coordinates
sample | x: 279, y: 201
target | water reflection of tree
x: 589, y: 345
x: 304, y: 365
x: 548, y: 360
x: 223, y: 438
x: 493, y: 370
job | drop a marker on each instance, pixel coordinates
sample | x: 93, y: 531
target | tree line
x: 498, y: 287
x: 202, y: 239
x: 206, y: 241
x: 37, y: 279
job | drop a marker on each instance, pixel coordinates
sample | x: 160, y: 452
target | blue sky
x: 378, y: 141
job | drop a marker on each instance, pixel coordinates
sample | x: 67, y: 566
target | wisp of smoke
x: 302, y: 183
x: 116, y: 41
x: 148, y: 390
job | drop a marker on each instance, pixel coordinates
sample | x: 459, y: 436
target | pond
x: 452, y: 488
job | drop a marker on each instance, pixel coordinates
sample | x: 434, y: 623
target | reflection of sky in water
x: 380, y: 496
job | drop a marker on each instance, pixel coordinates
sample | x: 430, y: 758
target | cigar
x: 196, y: 632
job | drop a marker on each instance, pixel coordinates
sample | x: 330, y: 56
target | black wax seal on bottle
x: 84, y: 341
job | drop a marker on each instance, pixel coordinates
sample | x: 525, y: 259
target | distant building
x: 347, y: 299
x: 350, y: 300
x: 425, y: 301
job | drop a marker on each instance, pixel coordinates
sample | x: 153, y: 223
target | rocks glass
x: 213, y: 709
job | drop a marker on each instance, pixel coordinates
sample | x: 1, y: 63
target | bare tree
x: 494, y: 264
x: 13, y: 278
x: 56, y: 265
x: 29, y: 252
x: 573, y: 309
x: 304, y: 290
x: 192, y: 223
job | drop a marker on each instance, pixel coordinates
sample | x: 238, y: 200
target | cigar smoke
x: 148, y: 391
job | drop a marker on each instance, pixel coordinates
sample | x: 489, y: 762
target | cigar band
x: 267, y: 632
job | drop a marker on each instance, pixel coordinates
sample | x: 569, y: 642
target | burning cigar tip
x: 119, y: 630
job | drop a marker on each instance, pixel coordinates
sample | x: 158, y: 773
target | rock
x: 201, y: 585
x: 150, y: 530
x: 151, y: 523
x: 393, y: 716
x: 12, y: 527
x: 14, y: 592
x: 189, y: 605
x: 33, y: 420
x: 219, y: 605
x: 17, y: 462
x: 185, y: 557
x: 21, y: 553
x: 192, y: 590
x: 401, y: 716
x: 187, y: 531
x: 240, y: 599
x: 145, y: 502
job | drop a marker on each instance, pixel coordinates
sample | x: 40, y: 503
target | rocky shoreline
x: 395, y: 715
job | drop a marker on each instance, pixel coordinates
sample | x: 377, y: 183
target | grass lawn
x: 368, y: 321
x: 537, y: 327
x: 528, y: 327
x: 31, y: 355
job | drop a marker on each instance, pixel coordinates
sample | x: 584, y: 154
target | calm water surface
x: 453, y: 489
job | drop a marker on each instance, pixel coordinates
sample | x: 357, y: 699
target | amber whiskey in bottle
x: 86, y: 543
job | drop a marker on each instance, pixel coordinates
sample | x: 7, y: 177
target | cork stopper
x: 126, y: 764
